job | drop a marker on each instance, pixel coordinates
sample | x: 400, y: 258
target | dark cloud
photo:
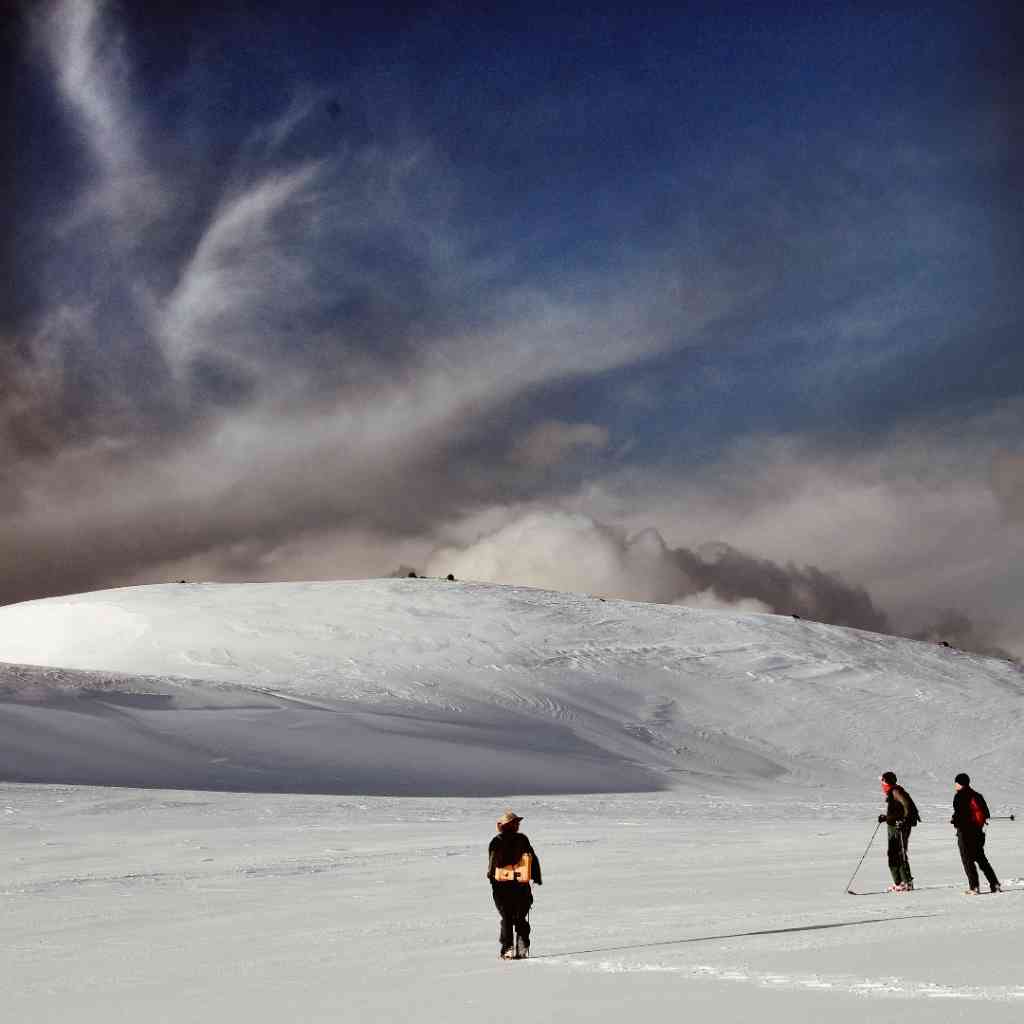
x: 558, y: 550
x: 806, y: 591
x: 31, y: 423
x: 957, y: 630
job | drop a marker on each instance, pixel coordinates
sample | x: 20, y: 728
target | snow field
x: 181, y: 906
x: 699, y: 786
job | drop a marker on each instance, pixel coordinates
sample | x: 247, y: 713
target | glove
x: 881, y: 818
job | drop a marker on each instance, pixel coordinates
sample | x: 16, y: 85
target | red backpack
x: 977, y: 813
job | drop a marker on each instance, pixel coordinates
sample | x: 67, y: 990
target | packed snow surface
x: 325, y: 763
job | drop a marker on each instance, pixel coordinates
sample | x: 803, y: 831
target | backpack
x: 913, y: 815
x: 515, y: 872
x: 977, y: 813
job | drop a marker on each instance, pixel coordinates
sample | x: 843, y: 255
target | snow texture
x: 325, y: 761
x: 426, y: 687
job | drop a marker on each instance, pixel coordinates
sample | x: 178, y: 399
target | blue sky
x: 293, y: 293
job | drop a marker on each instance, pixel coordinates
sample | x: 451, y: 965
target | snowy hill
x: 427, y: 687
x: 721, y: 890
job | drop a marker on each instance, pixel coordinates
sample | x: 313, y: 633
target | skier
x: 900, y: 817
x: 970, y: 814
x: 511, y: 865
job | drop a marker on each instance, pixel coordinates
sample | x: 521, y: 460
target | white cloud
x: 710, y: 601
x: 557, y: 550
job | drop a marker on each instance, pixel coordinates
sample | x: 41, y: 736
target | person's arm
x: 534, y: 867
x: 490, y: 860
x: 958, y: 808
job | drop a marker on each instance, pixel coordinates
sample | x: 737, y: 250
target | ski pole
x: 1004, y: 817
x: 863, y: 855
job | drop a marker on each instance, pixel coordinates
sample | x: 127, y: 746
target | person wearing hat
x: 512, y: 865
x: 970, y: 814
x: 900, y: 817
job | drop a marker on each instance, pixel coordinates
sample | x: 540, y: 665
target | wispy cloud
x: 549, y: 443
x: 93, y: 73
x: 329, y: 342
x: 247, y: 278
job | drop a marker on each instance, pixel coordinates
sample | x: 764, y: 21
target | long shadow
x: 733, y: 935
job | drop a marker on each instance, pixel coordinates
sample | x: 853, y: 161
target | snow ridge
x: 429, y: 687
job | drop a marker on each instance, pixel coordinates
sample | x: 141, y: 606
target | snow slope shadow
x: 86, y: 729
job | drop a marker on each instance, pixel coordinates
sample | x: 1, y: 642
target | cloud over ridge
x: 321, y: 309
x: 568, y: 551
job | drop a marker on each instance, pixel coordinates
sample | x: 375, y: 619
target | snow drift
x: 427, y: 687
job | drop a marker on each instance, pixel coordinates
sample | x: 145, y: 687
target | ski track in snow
x: 884, y: 986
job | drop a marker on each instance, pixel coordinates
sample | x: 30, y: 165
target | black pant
x: 899, y: 860
x: 513, y: 900
x: 972, y: 852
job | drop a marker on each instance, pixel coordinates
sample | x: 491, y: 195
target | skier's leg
x: 987, y: 869
x: 524, y: 900
x: 894, y: 853
x: 907, y: 877
x: 502, y: 903
x: 524, y: 921
x: 967, y: 855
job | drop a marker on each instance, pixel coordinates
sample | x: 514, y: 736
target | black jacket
x: 506, y: 849
x: 899, y: 807
x: 963, y: 817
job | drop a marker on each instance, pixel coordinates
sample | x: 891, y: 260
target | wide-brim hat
x: 508, y: 818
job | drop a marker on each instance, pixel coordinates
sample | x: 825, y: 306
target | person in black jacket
x: 970, y: 814
x: 510, y: 853
x: 900, y: 816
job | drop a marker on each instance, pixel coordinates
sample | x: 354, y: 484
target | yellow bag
x: 515, y: 872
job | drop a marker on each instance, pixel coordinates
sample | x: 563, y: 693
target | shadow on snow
x: 733, y: 935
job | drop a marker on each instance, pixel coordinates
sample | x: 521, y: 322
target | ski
x: 1006, y: 887
x: 903, y: 892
